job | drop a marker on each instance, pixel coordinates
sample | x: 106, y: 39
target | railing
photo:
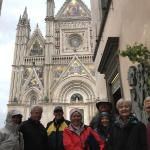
x: 67, y: 59
x: 35, y: 60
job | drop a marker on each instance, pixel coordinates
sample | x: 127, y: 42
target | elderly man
x: 147, y: 109
x: 10, y: 137
x: 34, y: 133
x: 55, y: 129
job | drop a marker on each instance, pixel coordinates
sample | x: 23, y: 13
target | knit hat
x: 76, y: 110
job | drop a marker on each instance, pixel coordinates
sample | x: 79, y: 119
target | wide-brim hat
x: 101, y: 102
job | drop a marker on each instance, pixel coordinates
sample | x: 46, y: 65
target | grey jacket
x: 10, y: 137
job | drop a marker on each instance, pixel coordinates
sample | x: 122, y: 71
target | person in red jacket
x: 79, y: 136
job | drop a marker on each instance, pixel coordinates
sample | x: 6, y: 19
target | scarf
x: 77, y: 130
x: 131, y: 120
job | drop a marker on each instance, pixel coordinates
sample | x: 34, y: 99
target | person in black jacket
x: 102, y: 106
x: 34, y: 133
x: 55, y: 130
x: 128, y: 133
x: 104, y: 127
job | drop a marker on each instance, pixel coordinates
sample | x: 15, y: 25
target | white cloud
x: 11, y: 10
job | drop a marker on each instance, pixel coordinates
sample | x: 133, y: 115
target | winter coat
x: 10, y: 137
x: 95, y: 121
x: 87, y: 140
x: 129, y: 136
x: 104, y: 133
x: 55, y: 133
x: 34, y: 134
x: 148, y: 134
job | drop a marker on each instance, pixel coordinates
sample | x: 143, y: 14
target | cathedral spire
x: 50, y: 8
x: 37, y: 25
x: 25, y: 15
x: 19, y: 19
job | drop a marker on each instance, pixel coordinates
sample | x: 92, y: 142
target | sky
x: 11, y: 10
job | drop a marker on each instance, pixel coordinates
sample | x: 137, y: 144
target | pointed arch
x: 30, y: 95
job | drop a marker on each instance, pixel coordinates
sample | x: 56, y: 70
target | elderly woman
x: 80, y: 137
x: 127, y: 133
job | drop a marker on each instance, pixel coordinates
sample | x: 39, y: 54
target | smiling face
x: 36, y: 114
x: 124, y: 109
x: 76, y: 119
x: 58, y: 114
x: 17, y: 119
x: 105, y: 121
x: 104, y: 108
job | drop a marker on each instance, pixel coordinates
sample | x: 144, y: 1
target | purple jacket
x: 148, y: 134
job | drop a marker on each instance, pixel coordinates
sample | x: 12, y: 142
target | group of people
x: 105, y: 132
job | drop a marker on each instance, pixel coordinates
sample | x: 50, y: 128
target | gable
x: 75, y: 69
x: 73, y: 9
x: 36, y: 43
x: 33, y: 79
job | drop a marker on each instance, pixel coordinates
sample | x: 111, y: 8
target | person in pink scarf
x: 147, y: 109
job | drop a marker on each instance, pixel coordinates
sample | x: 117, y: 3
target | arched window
x: 36, y: 50
x: 76, y: 97
x: 33, y: 100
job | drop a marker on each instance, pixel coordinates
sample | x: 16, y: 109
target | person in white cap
x: 79, y: 136
x: 10, y: 137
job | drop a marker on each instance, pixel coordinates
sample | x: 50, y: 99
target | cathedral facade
x: 56, y: 69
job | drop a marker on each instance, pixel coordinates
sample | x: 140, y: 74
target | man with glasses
x: 55, y: 129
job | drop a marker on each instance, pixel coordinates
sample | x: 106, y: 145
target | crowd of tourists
x: 106, y: 131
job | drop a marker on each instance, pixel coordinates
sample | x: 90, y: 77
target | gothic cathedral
x: 56, y: 69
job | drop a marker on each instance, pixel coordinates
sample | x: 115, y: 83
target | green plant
x: 136, y: 53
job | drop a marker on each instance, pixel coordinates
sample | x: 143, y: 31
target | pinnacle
x: 25, y: 15
x: 37, y: 26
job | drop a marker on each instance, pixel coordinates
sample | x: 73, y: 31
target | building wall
x: 0, y: 5
x: 56, y: 69
x: 128, y: 20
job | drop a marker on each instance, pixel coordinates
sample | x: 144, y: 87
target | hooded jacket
x: 10, y: 137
